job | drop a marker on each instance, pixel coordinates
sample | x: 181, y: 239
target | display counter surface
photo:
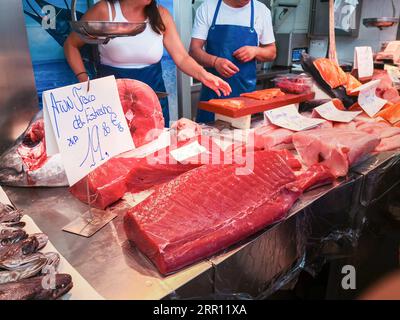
x: 118, y: 271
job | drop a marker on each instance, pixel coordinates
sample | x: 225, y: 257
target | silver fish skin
x: 18, y: 225
x: 6, y: 208
x: 33, y: 289
x: 12, y: 216
x: 28, y: 267
x: 13, y: 171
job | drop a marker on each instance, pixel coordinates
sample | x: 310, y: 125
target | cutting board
x: 253, y: 106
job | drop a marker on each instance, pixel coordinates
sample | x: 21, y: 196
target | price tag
x: 368, y: 100
x: 364, y: 61
x: 329, y: 112
x: 88, y: 128
x: 289, y: 118
x: 188, y: 151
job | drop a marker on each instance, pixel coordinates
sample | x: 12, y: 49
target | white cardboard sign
x: 364, y: 61
x: 188, y: 151
x: 87, y: 128
x: 368, y: 100
x: 329, y: 112
x: 289, y: 118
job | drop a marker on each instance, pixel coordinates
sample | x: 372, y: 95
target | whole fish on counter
x: 26, y: 163
x: 10, y: 254
x: 33, y: 289
x: 9, y: 235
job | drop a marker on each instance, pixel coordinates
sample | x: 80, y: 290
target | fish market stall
x: 257, y: 268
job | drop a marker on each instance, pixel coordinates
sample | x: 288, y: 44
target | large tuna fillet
x: 337, y: 149
x: 212, y: 207
x: 142, y: 110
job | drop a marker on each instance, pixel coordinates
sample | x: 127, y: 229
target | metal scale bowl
x: 101, y: 32
x: 382, y: 22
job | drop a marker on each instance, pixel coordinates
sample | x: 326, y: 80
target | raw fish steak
x: 211, y: 207
x: 108, y: 183
x: 142, y: 110
x: 337, y: 149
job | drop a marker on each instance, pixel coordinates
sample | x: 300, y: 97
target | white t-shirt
x: 234, y: 16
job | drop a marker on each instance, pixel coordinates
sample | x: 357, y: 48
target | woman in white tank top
x: 139, y: 57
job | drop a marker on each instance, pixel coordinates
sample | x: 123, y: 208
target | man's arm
x: 263, y: 53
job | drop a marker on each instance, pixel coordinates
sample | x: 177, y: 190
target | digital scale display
x: 297, y: 53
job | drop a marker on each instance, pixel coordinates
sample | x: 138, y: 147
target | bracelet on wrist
x: 215, y: 62
x: 84, y: 72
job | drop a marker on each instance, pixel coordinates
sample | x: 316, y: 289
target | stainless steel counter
x: 253, y: 268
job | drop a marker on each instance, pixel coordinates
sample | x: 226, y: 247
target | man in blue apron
x: 229, y: 36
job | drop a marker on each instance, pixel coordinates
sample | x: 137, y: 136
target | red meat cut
x: 210, y: 208
x: 142, y: 110
x: 109, y: 182
x: 337, y: 149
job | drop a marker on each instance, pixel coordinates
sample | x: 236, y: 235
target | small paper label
x: 289, y: 118
x: 364, y: 61
x: 329, y: 112
x: 368, y: 100
x: 186, y: 152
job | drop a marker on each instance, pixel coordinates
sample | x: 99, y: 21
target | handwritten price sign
x: 368, y: 100
x: 289, y: 118
x: 87, y: 128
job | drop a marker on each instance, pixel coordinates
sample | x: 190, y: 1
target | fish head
x: 63, y: 284
x: 26, y: 163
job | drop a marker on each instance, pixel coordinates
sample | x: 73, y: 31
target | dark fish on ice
x: 340, y: 93
x: 11, y: 235
x: 36, y: 288
x: 18, y: 225
x: 11, y: 217
x: 12, y: 254
x: 26, y: 163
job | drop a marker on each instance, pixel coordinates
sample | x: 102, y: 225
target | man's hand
x: 246, y: 53
x: 225, y: 67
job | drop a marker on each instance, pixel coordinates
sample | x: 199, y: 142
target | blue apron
x: 151, y: 75
x: 223, y: 41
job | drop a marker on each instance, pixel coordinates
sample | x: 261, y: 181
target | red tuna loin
x: 337, y: 149
x: 210, y: 208
x: 142, y: 110
x: 107, y: 183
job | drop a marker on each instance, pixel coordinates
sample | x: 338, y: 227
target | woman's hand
x: 216, y: 84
